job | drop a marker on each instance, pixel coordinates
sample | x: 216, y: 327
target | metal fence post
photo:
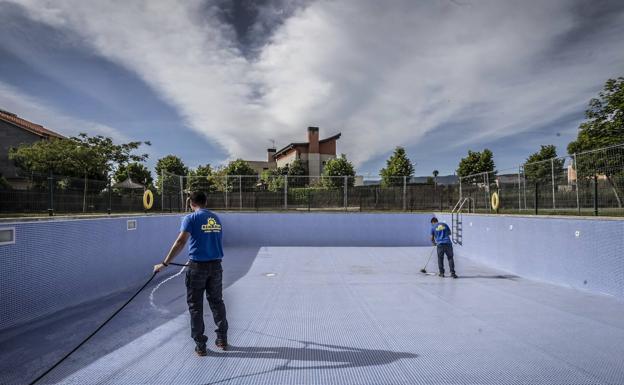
x: 519, y: 191
x: 536, y: 197
x: 182, y: 208
x: 596, y: 194
x: 487, y: 190
x: 345, y: 192
x: 226, y: 192
x: 404, y: 193
x: 51, y: 194
x: 524, y: 187
x: 285, y: 192
x: 109, y: 195
x: 162, y: 190
x: 461, y: 195
x: 576, y: 174
x: 552, y: 178
x: 240, y: 192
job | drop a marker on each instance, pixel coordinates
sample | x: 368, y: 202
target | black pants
x: 200, y: 278
x: 446, y: 248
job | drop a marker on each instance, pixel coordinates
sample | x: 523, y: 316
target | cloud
x: 384, y: 74
x: 27, y: 107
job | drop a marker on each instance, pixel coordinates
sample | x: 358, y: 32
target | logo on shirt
x: 440, y: 228
x: 211, y: 226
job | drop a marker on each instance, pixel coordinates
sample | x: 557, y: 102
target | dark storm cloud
x: 254, y: 21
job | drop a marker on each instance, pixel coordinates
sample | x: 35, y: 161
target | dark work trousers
x: 205, y: 277
x: 446, y: 248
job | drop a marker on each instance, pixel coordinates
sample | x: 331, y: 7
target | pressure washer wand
x: 424, y: 269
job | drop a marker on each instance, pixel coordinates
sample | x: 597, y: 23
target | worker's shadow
x: 325, y: 357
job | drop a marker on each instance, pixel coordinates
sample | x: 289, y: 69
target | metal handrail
x: 455, y: 219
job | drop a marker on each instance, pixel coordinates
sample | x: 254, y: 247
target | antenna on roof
x: 272, y: 143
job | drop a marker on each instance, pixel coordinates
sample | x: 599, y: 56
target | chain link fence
x: 308, y: 193
x: 37, y: 194
x: 588, y: 183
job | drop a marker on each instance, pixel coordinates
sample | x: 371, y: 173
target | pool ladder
x: 457, y: 219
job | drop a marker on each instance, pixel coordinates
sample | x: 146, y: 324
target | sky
x: 211, y: 81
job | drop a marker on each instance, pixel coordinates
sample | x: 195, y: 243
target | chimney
x: 271, y: 155
x: 313, y: 139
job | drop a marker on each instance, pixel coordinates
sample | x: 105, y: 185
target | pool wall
x: 326, y: 229
x: 583, y: 253
x: 56, y: 264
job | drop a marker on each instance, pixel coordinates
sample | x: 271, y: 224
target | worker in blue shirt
x: 204, y: 274
x: 441, y: 236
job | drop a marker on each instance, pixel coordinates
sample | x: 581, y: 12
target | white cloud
x: 384, y: 74
x: 36, y: 111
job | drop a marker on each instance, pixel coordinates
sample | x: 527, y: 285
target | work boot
x: 200, y: 349
x: 441, y: 275
x: 221, y: 342
x: 453, y: 275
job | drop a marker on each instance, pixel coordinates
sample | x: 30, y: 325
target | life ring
x: 495, y: 201
x: 148, y: 199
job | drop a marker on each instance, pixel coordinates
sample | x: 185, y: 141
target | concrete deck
x: 338, y: 315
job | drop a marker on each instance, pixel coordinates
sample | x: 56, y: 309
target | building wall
x: 287, y: 159
x: 583, y: 253
x: 328, y: 148
x: 11, y: 136
x: 314, y: 165
x: 259, y: 166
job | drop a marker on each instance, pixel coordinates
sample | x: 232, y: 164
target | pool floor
x: 339, y: 315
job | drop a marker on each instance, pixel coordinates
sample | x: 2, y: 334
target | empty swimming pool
x: 336, y: 315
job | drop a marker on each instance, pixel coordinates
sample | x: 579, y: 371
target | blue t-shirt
x: 441, y: 233
x: 206, y: 235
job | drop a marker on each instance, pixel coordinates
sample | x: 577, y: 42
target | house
x: 15, y: 131
x: 314, y: 153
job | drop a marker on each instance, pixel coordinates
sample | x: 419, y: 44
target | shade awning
x: 128, y: 183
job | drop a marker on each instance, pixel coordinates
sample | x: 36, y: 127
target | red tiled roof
x: 28, y: 126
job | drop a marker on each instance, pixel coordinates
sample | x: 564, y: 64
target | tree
x: 168, y: 172
x: 46, y: 156
x: 476, y: 163
x: 91, y: 157
x: 200, y: 179
x: 539, y: 167
x: 239, y: 167
x: 4, y: 184
x: 435, y: 174
x: 604, y: 126
x: 231, y: 172
x: 274, y: 179
x: 605, y: 119
x: 95, y: 157
x: 137, y: 172
x: 297, y: 174
x: 338, y: 167
x: 397, y: 167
